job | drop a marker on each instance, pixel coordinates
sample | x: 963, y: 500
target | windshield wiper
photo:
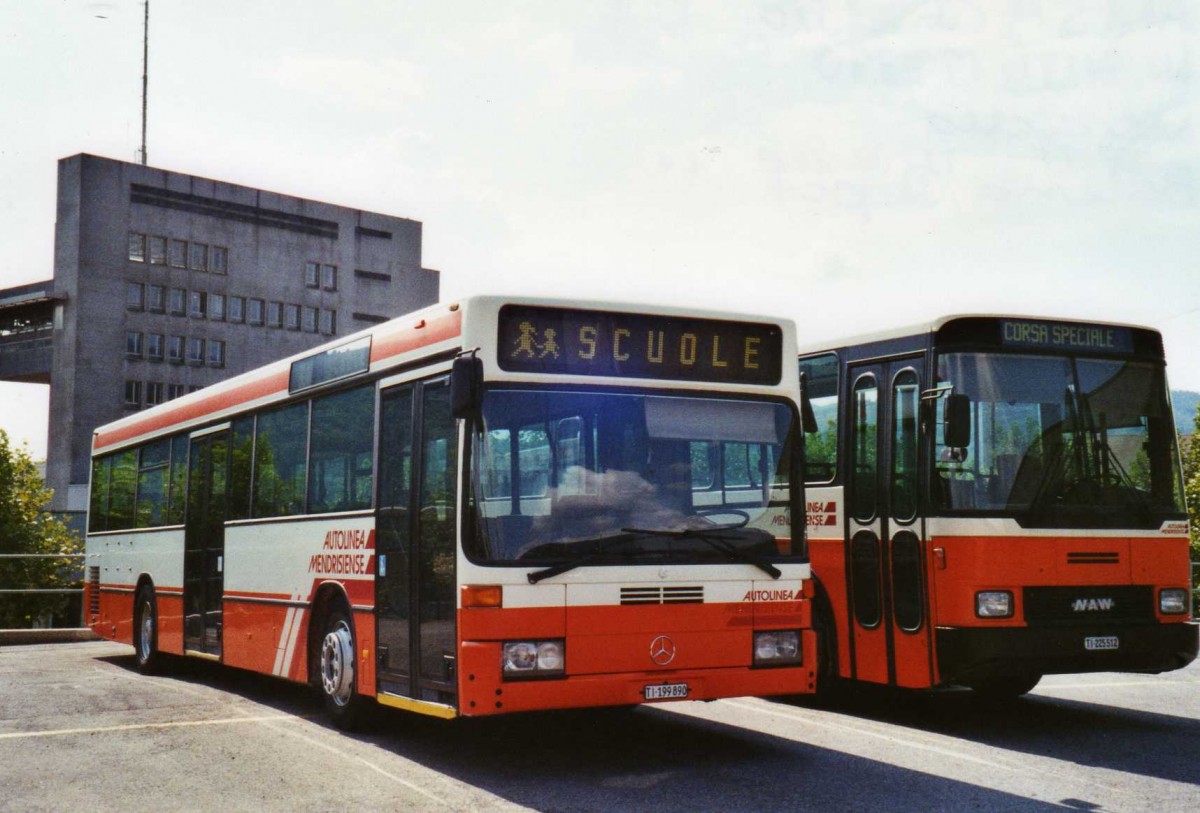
x: 604, y: 545
x: 711, y: 538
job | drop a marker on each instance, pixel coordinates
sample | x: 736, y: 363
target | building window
x: 216, y: 307
x: 237, y: 309
x: 133, y: 344
x: 154, y: 346
x: 133, y: 394
x: 292, y: 317
x: 275, y: 314
x: 308, y: 319
x: 175, y: 391
x: 177, y: 302
x: 197, y: 304
x: 137, y: 247
x: 254, y: 311
x: 154, y: 393
x: 175, y: 349
x: 218, y: 262
x: 135, y: 296
x: 156, y: 296
x: 216, y: 353
x: 199, y: 256
x: 312, y: 275
x: 177, y: 253
x: 329, y: 322
x: 158, y: 251
x: 329, y: 277
x: 195, y: 351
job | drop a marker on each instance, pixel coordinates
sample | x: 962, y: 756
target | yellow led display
x: 629, y: 345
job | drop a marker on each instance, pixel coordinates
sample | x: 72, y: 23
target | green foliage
x: 26, y: 528
x: 1191, y: 489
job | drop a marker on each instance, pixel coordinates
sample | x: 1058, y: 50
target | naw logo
x: 1093, y: 605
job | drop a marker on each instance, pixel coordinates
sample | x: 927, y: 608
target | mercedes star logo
x: 662, y: 650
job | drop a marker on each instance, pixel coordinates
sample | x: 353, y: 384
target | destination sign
x: 633, y: 345
x: 1066, y: 336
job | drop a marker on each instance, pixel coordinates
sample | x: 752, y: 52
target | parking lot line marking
x: 62, y: 732
x: 1049, y: 687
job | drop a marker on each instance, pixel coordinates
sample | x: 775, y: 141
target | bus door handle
x: 939, y: 558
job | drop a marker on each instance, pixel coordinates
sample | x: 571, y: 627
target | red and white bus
x: 992, y: 499
x: 484, y: 507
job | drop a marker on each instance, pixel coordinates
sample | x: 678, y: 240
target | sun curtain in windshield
x: 557, y: 475
x: 1060, y: 441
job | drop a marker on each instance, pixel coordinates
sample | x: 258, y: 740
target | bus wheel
x: 336, y: 670
x: 1009, y: 687
x: 828, y: 682
x: 145, y: 632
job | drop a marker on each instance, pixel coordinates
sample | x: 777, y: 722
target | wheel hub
x: 337, y: 664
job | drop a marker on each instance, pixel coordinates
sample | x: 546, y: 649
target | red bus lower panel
x: 484, y: 692
x: 966, y: 655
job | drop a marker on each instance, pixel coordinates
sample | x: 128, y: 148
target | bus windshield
x: 619, y: 478
x: 1060, y: 441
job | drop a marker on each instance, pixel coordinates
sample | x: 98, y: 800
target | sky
x: 854, y: 166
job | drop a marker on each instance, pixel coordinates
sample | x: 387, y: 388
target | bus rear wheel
x: 335, y: 670
x: 145, y: 632
x: 1009, y: 687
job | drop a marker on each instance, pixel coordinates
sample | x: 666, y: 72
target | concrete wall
x: 268, y: 236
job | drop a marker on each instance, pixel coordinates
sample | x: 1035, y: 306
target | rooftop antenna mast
x: 145, y: 74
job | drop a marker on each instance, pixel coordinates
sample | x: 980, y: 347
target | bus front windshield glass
x: 1060, y: 441
x: 611, y: 478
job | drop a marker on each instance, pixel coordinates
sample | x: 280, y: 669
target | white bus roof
x: 434, y: 333
x: 934, y: 325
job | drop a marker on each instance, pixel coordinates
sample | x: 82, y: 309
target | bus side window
x: 820, y: 448
x: 341, y: 442
x: 153, y: 460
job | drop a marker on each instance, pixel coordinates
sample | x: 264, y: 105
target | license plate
x: 1101, y: 642
x: 666, y: 691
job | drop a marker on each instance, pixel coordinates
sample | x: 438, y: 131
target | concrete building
x: 165, y: 283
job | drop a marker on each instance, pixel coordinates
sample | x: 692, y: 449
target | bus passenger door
x: 204, y: 541
x: 416, y: 543
x: 886, y: 552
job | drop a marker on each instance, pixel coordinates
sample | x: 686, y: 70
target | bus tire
x: 146, y: 656
x: 336, y: 674
x: 1009, y: 687
x: 828, y: 682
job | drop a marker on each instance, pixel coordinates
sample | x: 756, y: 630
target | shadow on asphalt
x: 1148, y: 744
x: 624, y: 759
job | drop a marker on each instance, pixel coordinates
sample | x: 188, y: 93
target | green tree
x: 1191, y: 489
x: 26, y: 529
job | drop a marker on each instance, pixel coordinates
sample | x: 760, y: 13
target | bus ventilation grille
x: 1089, y: 558
x: 94, y: 592
x: 662, y: 595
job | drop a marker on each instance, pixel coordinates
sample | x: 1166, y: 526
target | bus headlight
x: 1172, y: 601
x: 777, y: 648
x: 534, y: 658
x: 994, y: 604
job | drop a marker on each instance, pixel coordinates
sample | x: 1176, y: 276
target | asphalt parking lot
x: 80, y: 729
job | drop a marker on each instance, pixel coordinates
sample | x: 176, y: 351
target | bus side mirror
x: 466, y: 386
x: 957, y: 429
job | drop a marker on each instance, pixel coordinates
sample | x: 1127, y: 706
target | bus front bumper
x: 968, y: 654
x: 483, y: 692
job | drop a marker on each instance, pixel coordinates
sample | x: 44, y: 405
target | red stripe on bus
x: 218, y: 401
x: 403, y: 339
x: 408, y: 337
